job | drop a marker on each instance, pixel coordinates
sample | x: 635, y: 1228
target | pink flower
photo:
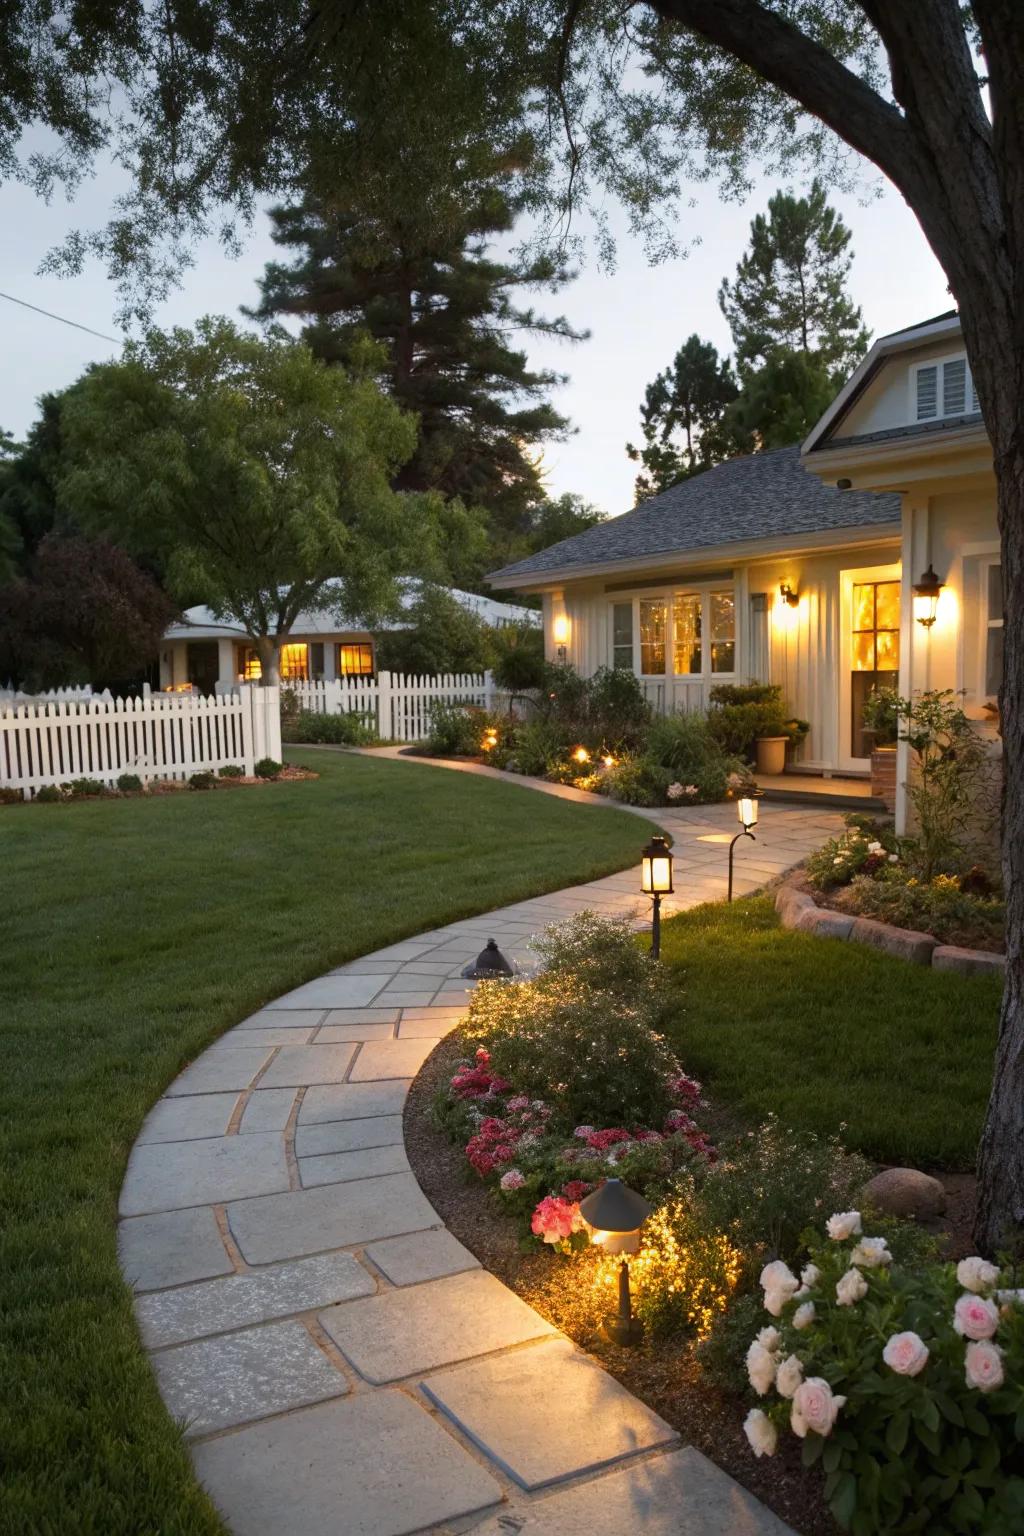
x: 984, y: 1366
x: 906, y: 1354
x: 555, y: 1219
x: 814, y: 1407
x: 576, y: 1189
x: 975, y: 1317
x: 584, y: 1132
x: 513, y: 1179
x: 519, y: 1102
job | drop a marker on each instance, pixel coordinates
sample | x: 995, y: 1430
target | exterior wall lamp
x: 926, y: 598
x: 615, y: 1213
x: 560, y: 634
x: 656, y: 882
x: 789, y: 595
x: 746, y: 810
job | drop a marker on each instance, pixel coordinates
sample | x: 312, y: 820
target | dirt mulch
x: 664, y: 1375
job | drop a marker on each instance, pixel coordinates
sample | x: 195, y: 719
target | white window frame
x: 971, y: 406
x: 988, y: 623
x: 667, y: 595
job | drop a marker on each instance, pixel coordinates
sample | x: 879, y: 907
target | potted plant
x: 880, y: 714
x: 749, y: 720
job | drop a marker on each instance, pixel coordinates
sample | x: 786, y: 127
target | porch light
x: 489, y: 965
x: 560, y: 633
x: 926, y: 598
x: 746, y: 811
x: 656, y: 882
x: 581, y: 755
x: 615, y: 1213
x: 490, y: 740
x: 790, y: 597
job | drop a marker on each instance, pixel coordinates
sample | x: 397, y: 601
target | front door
x: 873, y: 651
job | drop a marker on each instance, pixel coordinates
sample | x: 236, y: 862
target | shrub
x: 518, y: 652
x: 204, y: 779
x: 605, y: 712
x: 345, y: 729
x: 904, y: 1383
x: 267, y: 768
x: 864, y: 848
x: 746, y: 693
x: 232, y: 771
x: 11, y: 796
x: 638, y: 781
x: 684, y: 745
x: 129, y: 783
x: 86, y: 789
x: 532, y: 748
x: 456, y: 730
x: 951, y: 765
x: 48, y: 794
x: 601, y: 950
x: 937, y: 906
x: 881, y: 716
x: 683, y: 1276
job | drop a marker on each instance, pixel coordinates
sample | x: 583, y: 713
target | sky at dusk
x: 638, y: 315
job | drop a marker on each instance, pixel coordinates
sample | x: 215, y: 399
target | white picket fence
x: 398, y: 707
x: 164, y: 736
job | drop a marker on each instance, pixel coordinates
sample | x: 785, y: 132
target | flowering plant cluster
x: 858, y: 851
x: 908, y: 1386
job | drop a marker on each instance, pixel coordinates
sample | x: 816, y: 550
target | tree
x: 789, y: 290
x: 544, y: 523
x: 28, y: 479
x: 682, y: 416
x: 83, y: 613
x: 219, y: 106
x: 779, y: 402
x: 439, y: 634
x: 443, y: 313
x: 256, y: 473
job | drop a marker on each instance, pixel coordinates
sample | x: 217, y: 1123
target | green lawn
x: 133, y: 934
x: 830, y: 1035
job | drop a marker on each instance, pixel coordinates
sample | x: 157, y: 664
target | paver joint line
x: 394, y: 1377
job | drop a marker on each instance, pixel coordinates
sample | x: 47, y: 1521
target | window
x: 943, y: 388
x: 622, y: 635
x: 874, y: 651
x: 653, y: 624
x: 723, y: 632
x: 316, y: 660
x: 993, y: 594
x: 249, y: 664
x: 293, y: 663
x: 686, y: 633
x: 355, y: 660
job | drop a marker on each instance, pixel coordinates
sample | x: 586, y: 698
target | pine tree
x: 682, y: 417
x: 789, y: 290
x: 445, y: 313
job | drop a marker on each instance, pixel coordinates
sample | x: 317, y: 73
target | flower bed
x: 131, y: 786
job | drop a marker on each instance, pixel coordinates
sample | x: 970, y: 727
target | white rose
x: 871, y: 1252
x: 815, y: 1406
x: 778, y: 1276
x: 906, y: 1354
x: 810, y: 1275
x: 851, y: 1288
x: 775, y: 1301
x: 789, y: 1376
x: 975, y: 1317
x: 875, y: 848
x: 760, y: 1368
x: 761, y: 1433
x: 804, y: 1315
x: 984, y: 1366
x: 769, y: 1339
x: 976, y: 1274
x: 842, y: 1225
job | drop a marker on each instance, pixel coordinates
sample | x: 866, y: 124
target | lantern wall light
x: 746, y: 811
x: 789, y: 595
x: 615, y: 1213
x: 656, y: 882
x: 560, y: 634
x: 926, y: 597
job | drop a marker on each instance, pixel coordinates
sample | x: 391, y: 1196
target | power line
x: 117, y: 340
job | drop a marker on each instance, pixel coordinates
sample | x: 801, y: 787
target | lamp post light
x: 746, y: 810
x: 615, y: 1214
x: 656, y: 882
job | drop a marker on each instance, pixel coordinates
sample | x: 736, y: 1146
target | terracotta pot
x: 771, y: 754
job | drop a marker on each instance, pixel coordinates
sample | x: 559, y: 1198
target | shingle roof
x: 761, y: 496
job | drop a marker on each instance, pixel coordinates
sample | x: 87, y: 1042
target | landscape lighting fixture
x: 656, y: 882
x: 615, y: 1213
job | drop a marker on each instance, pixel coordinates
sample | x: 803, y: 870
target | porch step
x: 835, y: 800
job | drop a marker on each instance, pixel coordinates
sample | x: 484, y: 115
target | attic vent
x: 954, y: 387
x: 927, y: 393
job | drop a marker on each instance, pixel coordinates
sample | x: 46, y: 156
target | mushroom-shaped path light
x: 615, y: 1213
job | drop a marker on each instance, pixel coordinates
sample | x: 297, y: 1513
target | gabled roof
x: 760, y: 496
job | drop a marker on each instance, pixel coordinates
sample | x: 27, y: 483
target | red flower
x: 576, y: 1189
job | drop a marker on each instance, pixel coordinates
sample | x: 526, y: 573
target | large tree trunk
x: 269, y: 650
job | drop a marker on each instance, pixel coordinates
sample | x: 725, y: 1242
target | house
x: 203, y: 651
x: 799, y: 566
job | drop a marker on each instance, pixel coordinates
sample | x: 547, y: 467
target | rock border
x: 798, y: 909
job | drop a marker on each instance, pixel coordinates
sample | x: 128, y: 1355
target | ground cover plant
x: 182, y: 914
x: 831, y: 1036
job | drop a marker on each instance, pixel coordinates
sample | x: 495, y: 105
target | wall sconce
x: 656, y: 882
x: 746, y: 810
x: 926, y: 598
x: 615, y: 1213
x: 788, y: 595
x: 560, y: 634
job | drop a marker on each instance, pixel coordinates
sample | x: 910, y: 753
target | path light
x: 926, y: 597
x: 489, y: 965
x: 581, y: 755
x: 490, y: 740
x: 608, y: 761
x: 656, y: 882
x: 615, y: 1213
x: 746, y: 810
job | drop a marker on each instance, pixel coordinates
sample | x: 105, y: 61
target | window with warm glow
x: 293, y: 663
x: 686, y: 633
x: 250, y: 667
x: 355, y: 660
x: 653, y: 626
x: 723, y: 632
x: 874, y: 651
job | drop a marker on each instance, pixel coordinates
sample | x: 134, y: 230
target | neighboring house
x: 202, y: 651
x: 799, y: 566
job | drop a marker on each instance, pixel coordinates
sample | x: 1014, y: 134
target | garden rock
x: 969, y: 962
x: 904, y: 943
x: 906, y: 1192
x: 826, y: 924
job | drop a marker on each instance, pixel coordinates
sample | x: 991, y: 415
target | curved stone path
x: 343, y: 1365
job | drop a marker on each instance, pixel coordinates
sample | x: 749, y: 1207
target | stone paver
x: 372, y: 1465
x: 335, y: 1216
x: 281, y: 1250
x: 278, y: 1290
x: 406, y: 1332
x: 525, y: 1409
x: 243, y: 1376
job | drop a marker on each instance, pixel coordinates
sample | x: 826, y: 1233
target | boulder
x: 826, y: 924
x: 904, y: 943
x: 969, y: 962
x: 905, y: 1192
x: 790, y: 903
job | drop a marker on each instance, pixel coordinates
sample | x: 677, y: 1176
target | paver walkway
x: 342, y: 1363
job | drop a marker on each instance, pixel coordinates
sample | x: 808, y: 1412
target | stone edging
x: 797, y: 908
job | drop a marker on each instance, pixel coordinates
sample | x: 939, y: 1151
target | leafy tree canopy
x: 682, y: 418
x: 440, y: 635
x: 780, y: 402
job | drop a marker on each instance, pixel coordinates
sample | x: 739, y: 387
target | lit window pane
x: 994, y: 660
x: 251, y: 669
x: 293, y: 663
x: 864, y: 605
x: 723, y: 616
x: 723, y: 656
x: 687, y: 636
x: 887, y: 610
x: 888, y: 650
x: 355, y: 660
x: 653, y: 622
x: 995, y: 592
x: 864, y: 652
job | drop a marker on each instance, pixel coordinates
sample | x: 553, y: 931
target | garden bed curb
x: 797, y: 908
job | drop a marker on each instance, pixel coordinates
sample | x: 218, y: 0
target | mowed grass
x: 134, y: 933
x: 833, y: 1037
